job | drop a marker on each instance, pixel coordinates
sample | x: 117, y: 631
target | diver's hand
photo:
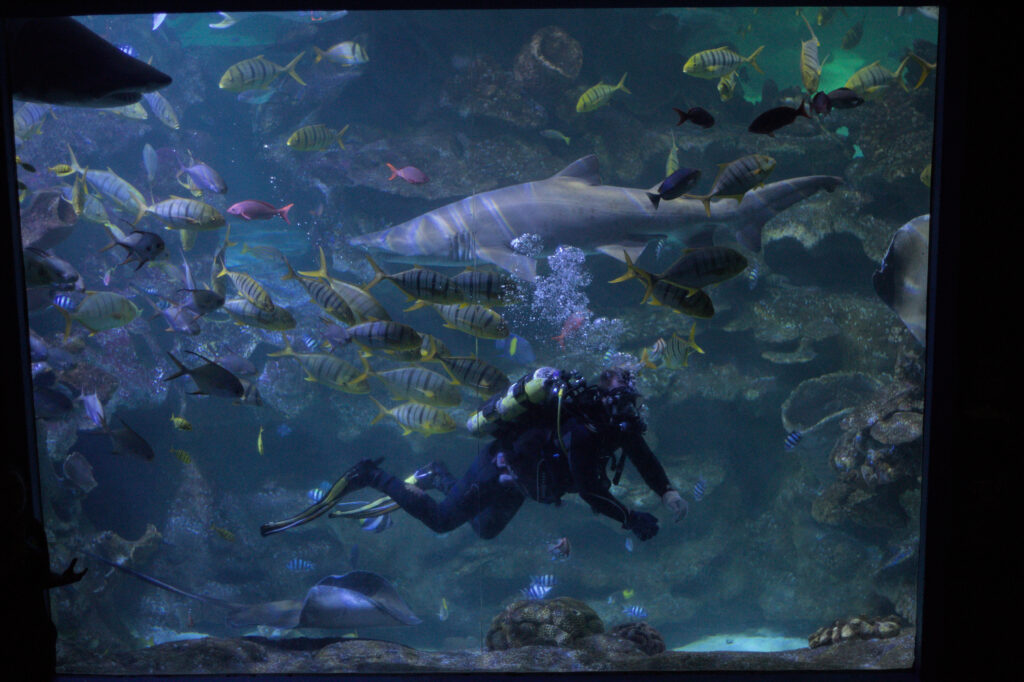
x: 675, y: 502
x: 643, y: 525
x: 70, y: 575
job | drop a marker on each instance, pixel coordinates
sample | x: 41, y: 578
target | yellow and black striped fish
x: 418, y: 284
x: 323, y: 294
x: 179, y: 213
x: 674, y: 354
x: 430, y: 347
x: 486, y: 287
x: 420, y: 385
x: 329, y: 370
x: 316, y: 138
x: 474, y: 319
x: 257, y: 73
x: 182, y: 455
x: 599, y: 95
x: 478, y: 375
x: 871, y: 81
x: 810, y: 68
x: 416, y: 417
x: 736, y: 178
x: 99, y: 311
x: 695, y: 303
x: 245, y: 312
x: 223, y: 532
x: 385, y: 335
x: 719, y: 62
x: 364, y: 307
x: 162, y: 108
x: 248, y: 287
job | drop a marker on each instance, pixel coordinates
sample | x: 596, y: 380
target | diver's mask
x: 623, y: 410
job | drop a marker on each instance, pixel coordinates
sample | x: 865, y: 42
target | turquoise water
x: 780, y: 538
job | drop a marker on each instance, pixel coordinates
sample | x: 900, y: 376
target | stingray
x: 901, y: 280
x: 353, y: 600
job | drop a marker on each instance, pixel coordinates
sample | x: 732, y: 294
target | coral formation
x: 549, y: 61
x: 559, y: 622
x: 643, y: 635
x: 858, y: 627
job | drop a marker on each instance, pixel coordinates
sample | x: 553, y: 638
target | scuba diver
x: 552, y: 434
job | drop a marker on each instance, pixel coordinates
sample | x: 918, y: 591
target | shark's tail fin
x: 760, y: 205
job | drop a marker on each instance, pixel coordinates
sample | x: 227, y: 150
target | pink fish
x: 571, y: 324
x: 560, y: 549
x: 254, y: 209
x: 410, y: 174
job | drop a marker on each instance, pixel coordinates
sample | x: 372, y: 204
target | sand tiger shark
x: 573, y: 208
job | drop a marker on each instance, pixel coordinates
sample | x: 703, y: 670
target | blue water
x: 439, y: 92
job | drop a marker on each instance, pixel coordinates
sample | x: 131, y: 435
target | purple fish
x: 205, y: 177
x: 821, y: 104
x: 254, y: 209
x: 410, y: 174
x: 845, y: 98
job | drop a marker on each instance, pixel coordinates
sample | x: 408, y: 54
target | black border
x: 963, y: 505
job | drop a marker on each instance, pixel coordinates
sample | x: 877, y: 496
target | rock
x: 860, y: 627
x: 48, y: 220
x: 818, y: 401
x: 646, y: 638
x: 559, y: 622
x: 549, y: 62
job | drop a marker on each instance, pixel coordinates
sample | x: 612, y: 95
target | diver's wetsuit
x: 529, y: 463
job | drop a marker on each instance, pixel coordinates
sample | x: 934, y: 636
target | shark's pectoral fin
x: 616, y: 251
x: 519, y: 265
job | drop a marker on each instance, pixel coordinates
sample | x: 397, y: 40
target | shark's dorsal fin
x: 586, y: 169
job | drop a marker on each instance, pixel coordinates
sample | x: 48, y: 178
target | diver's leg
x: 477, y: 488
x: 493, y: 519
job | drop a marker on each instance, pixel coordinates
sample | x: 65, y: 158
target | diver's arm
x: 654, y: 475
x: 646, y: 463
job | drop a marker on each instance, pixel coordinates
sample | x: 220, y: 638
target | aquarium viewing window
x: 442, y: 341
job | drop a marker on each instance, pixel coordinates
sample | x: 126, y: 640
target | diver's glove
x: 643, y: 525
x: 675, y: 502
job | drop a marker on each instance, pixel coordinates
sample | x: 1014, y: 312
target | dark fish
x: 844, y: 98
x: 698, y: 268
x: 792, y: 439
x: 237, y: 365
x: 57, y: 60
x: 211, y: 378
x: 773, y: 119
x: 126, y: 441
x: 821, y: 104
x: 42, y: 268
x: 141, y: 246
x: 202, y: 301
x: 675, y: 185
x: 853, y: 36
x: 51, y: 403
x: 696, y: 115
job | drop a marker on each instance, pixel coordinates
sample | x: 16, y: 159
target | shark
x: 57, y: 60
x: 574, y: 208
x: 354, y: 599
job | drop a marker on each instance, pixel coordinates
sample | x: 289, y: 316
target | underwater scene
x: 511, y: 340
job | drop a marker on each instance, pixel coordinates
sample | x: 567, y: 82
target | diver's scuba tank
x: 545, y: 388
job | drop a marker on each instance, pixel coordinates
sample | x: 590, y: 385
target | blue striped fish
x: 635, y: 611
x: 300, y: 565
x: 792, y: 439
x: 698, y: 489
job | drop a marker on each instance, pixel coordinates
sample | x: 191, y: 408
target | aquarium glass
x: 729, y: 204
